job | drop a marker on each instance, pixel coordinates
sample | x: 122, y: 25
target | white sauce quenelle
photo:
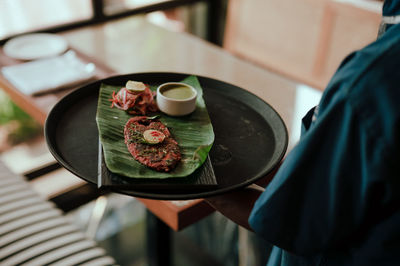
x: 152, y: 136
x: 135, y: 86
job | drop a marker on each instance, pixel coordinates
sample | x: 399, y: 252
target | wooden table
x: 134, y: 45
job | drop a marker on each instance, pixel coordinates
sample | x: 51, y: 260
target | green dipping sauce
x: 178, y: 92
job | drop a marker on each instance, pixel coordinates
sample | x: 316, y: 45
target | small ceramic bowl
x: 176, y: 98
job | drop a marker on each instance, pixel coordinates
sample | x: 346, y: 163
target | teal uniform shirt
x: 336, y: 198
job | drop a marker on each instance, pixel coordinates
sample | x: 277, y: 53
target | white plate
x: 35, y: 46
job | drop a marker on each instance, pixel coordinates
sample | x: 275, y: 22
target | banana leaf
x: 194, y: 134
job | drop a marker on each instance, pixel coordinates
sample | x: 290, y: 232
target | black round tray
x: 250, y: 136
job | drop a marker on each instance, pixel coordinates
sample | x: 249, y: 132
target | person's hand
x: 238, y: 204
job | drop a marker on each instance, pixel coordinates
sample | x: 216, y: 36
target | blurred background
x: 304, y: 40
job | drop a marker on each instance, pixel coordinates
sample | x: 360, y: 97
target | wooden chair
x: 302, y: 39
x: 34, y: 232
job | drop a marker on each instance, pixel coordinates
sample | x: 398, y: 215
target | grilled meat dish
x: 150, y: 142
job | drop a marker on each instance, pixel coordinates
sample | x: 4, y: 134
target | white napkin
x: 48, y: 74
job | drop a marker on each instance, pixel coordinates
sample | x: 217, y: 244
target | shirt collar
x: 391, y: 8
x: 390, y: 15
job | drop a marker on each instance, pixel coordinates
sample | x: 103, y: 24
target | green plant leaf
x: 194, y: 134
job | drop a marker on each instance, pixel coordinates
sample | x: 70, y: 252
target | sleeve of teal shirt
x: 322, y: 192
x: 341, y: 180
x: 328, y: 184
x: 309, y: 197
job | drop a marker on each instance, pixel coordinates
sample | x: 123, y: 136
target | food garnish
x: 135, y: 86
x: 152, y: 136
x: 135, y: 98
